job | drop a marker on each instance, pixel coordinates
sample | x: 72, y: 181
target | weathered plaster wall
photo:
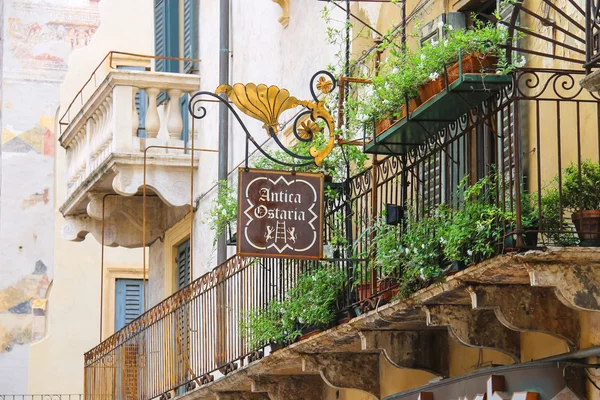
x: 73, y: 324
x: 38, y: 38
x: 49, y: 288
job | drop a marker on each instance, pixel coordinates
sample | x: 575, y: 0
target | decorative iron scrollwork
x: 267, y: 103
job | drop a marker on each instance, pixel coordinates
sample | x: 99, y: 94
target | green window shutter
x: 190, y: 34
x: 185, y: 115
x: 141, y: 103
x: 183, y: 264
x: 129, y: 301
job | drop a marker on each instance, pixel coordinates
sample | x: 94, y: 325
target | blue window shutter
x: 129, y: 301
x: 185, y: 115
x: 183, y: 264
x: 166, y: 38
x: 190, y: 33
x: 141, y: 103
x: 160, y: 34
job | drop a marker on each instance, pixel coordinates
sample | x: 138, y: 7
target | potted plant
x: 472, y: 232
x: 307, y: 308
x: 581, y: 196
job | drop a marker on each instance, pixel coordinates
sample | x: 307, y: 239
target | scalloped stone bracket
x: 284, y: 20
x: 475, y: 328
x: 122, y: 220
x: 289, y: 387
x: 172, y: 186
x: 346, y: 370
x: 426, y: 350
x: 525, y: 308
x: 575, y: 285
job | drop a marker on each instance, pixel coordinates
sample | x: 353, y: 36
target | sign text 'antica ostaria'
x: 280, y: 214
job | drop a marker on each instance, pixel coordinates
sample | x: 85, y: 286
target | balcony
x: 115, y: 141
x: 192, y: 341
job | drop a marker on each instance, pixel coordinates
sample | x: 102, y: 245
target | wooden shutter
x: 185, y: 115
x: 183, y: 264
x: 160, y: 48
x: 190, y: 32
x: 129, y: 301
x: 141, y: 104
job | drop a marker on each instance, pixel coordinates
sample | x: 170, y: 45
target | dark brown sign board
x: 280, y: 214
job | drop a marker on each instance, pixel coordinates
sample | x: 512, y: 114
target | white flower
x: 434, y: 76
x: 498, y: 72
x: 394, y: 70
x: 434, y: 43
x: 450, y: 27
x: 362, y: 117
x: 422, y: 274
x: 442, y: 240
x: 521, y: 63
x: 440, y: 24
x: 422, y: 245
x: 406, y: 250
x: 446, y: 42
x: 224, y: 212
x: 423, y: 57
x: 470, y: 252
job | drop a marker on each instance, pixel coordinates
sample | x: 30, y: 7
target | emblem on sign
x: 280, y: 214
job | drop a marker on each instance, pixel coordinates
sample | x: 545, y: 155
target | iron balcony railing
x: 525, y: 135
x: 41, y: 397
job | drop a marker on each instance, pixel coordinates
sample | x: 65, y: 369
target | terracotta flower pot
x: 473, y: 64
x: 364, y: 290
x: 431, y: 88
x: 587, y: 223
x: 385, y: 124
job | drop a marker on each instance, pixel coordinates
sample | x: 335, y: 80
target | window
x: 182, y: 262
x: 129, y: 301
x: 169, y: 27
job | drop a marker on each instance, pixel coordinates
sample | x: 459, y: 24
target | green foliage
x: 581, y: 186
x: 223, y: 211
x: 471, y: 233
x: 406, y: 69
x: 579, y: 191
x: 311, y: 302
x: 335, y: 164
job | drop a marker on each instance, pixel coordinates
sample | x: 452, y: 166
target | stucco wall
x: 38, y: 38
x: 50, y: 288
x: 262, y: 51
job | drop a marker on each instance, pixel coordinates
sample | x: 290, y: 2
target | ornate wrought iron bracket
x: 267, y: 103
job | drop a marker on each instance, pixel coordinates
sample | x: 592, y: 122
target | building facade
x: 137, y: 170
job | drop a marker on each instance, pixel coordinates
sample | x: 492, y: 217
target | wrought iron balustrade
x: 525, y: 135
x: 41, y: 397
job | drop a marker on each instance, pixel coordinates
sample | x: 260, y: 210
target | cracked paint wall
x: 37, y: 38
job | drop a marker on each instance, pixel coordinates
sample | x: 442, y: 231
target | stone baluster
x: 136, y: 117
x: 152, y: 118
x: 174, y: 120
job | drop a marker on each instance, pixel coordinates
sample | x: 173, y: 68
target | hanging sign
x: 280, y: 214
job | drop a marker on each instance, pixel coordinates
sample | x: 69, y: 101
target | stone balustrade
x: 106, y: 142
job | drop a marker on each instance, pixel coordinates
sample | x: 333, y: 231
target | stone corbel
x: 475, y: 328
x: 171, y: 184
x: 423, y: 349
x: 284, y: 20
x: 577, y: 285
x: 122, y: 220
x: 346, y: 370
x: 289, y: 387
x: 525, y: 308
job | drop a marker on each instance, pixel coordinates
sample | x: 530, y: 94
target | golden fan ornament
x: 267, y: 103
